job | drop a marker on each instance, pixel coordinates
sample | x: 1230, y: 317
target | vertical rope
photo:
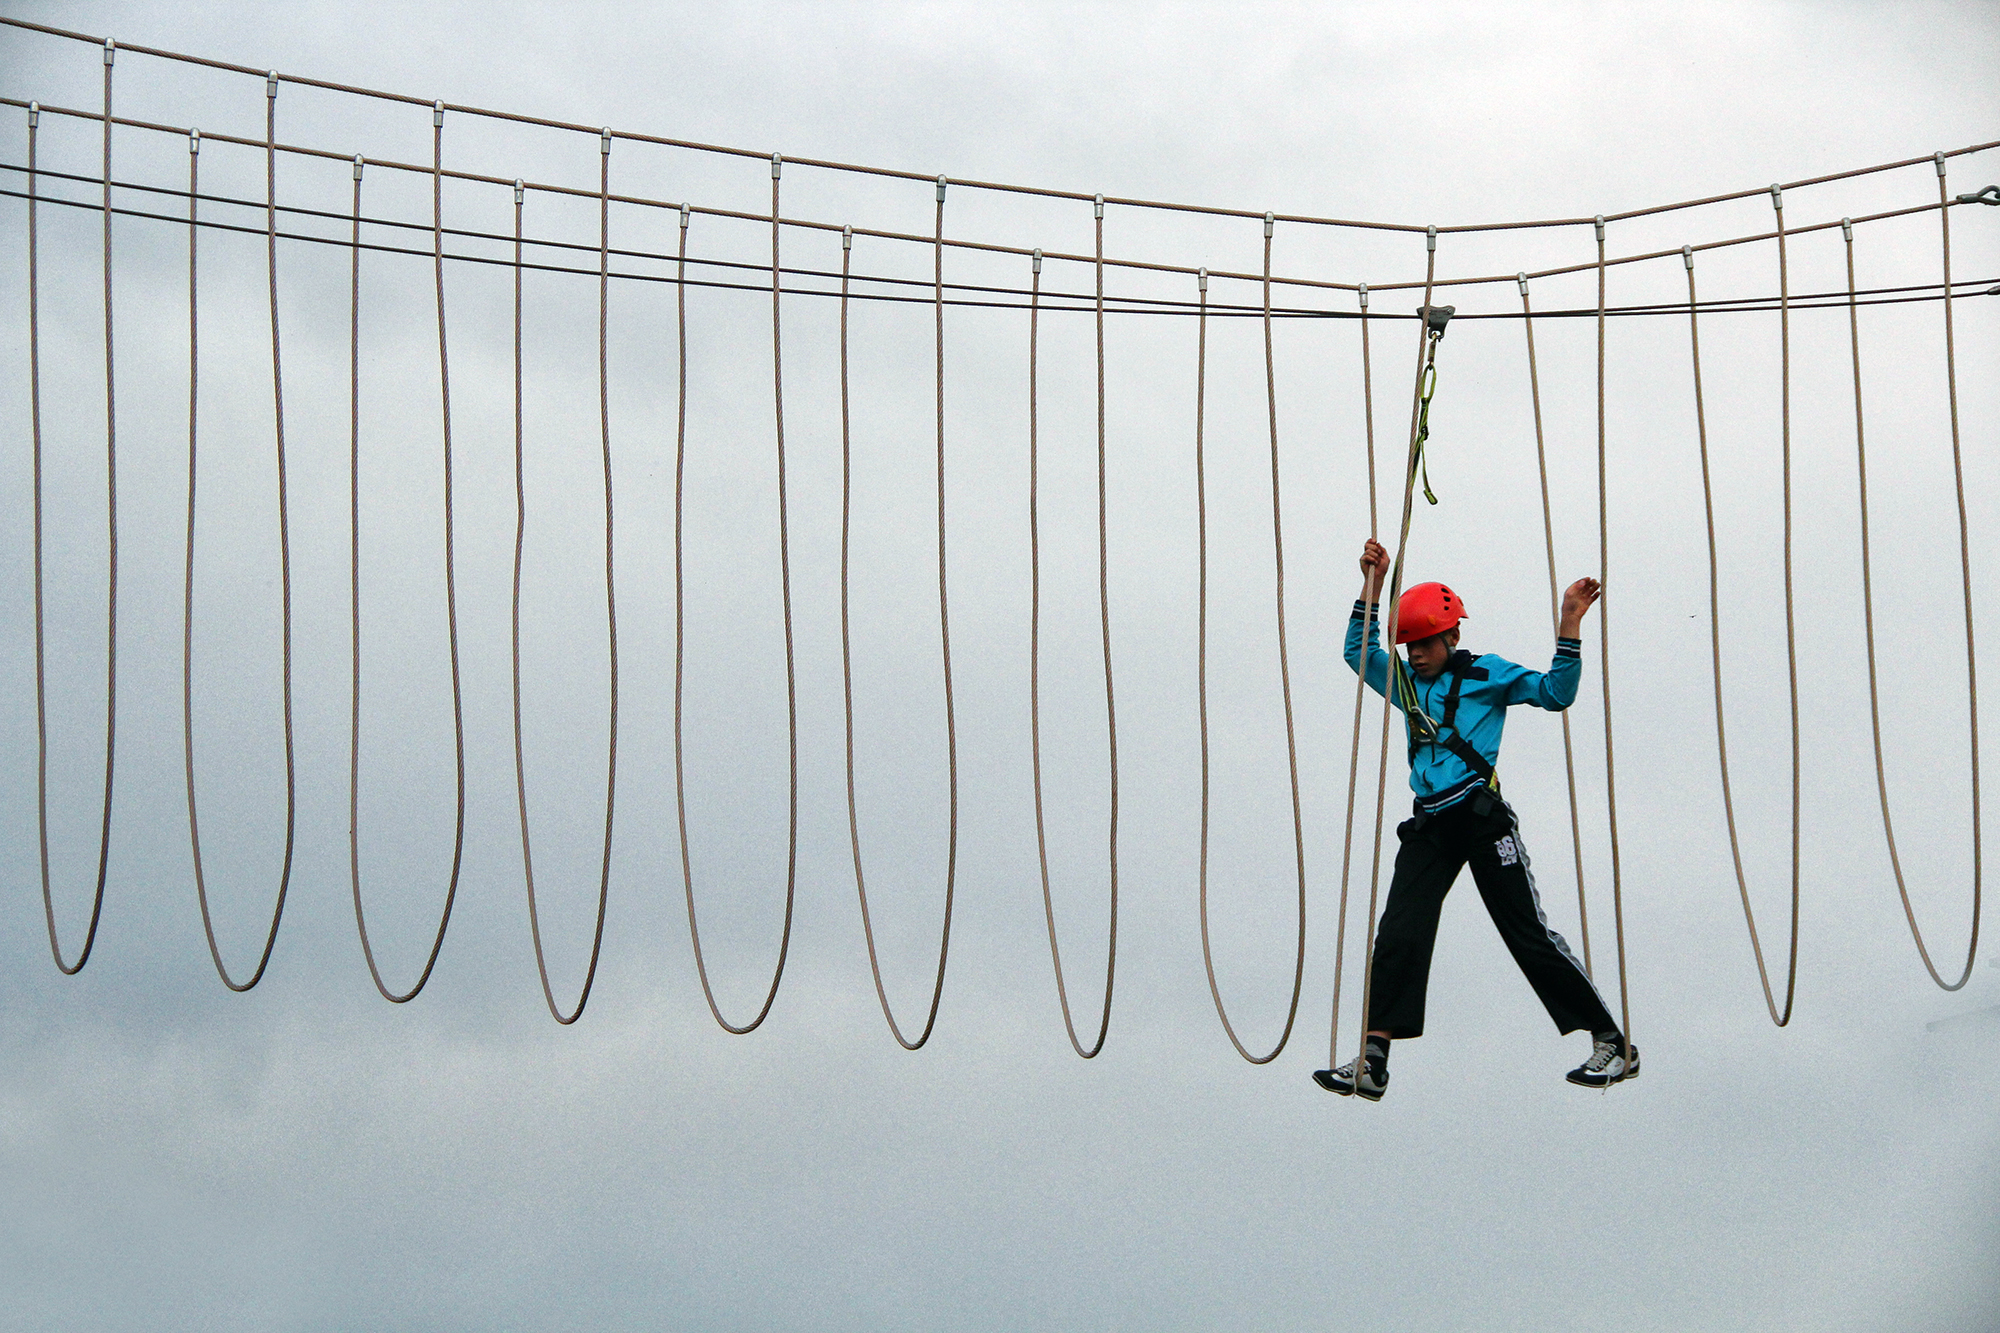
x: 1868, y: 598
x: 1604, y: 649
x: 35, y: 419
x: 354, y: 576
x: 1104, y: 621
x: 1555, y: 612
x: 1424, y: 344
x: 111, y: 559
x: 284, y: 548
x: 1715, y: 651
x: 1284, y: 668
x: 944, y: 626
x: 680, y: 628
x: 610, y: 591
x: 1360, y: 692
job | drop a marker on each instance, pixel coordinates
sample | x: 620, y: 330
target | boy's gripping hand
x: 1374, y: 568
x: 1578, y: 598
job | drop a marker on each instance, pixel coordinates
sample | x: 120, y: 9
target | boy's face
x: 1428, y: 656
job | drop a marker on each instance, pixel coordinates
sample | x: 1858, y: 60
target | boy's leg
x: 1507, y: 886
x: 1426, y: 865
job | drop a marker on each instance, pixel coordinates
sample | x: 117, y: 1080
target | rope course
x: 1279, y: 301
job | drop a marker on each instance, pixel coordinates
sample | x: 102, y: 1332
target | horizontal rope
x: 928, y: 177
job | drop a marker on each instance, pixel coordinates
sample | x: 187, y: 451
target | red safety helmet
x: 1427, y: 609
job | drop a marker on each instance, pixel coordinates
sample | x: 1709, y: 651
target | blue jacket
x: 1437, y: 776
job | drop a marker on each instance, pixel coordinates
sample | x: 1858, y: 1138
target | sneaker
x: 1374, y: 1080
x: 1605, y: 1066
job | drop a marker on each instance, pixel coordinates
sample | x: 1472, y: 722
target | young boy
x: 1456, y: 705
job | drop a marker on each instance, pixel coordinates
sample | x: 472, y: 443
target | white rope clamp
x: 1522, y: 279
x: 1847, y: 229
x: 1270, y: 221
x: 194, y: 142
x: 1598, y: 222
x: 1098, y: 204
x: 604, y: 143
x: 941, y: 183
x: 1937, y: 158
x: 1778, y: 197
x: 34, y: 114
x: 520, y: 191
x: 1431, y: 239
x: 847, y: 238
x: 271, y: 86
x: 685, y: 210
x: 111, y: 50
x: 1202, y: 278
x: 358, y: 161
x: 437, y: 115
x: 1687, y: 257
x: 777, y: 162
x: 1362, y: 292
x: 1038, y: 261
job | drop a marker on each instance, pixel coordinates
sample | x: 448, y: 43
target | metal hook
x: 1436, y: 317
x: 1989, y: 195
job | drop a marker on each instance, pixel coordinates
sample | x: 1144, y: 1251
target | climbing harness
x: 1443, y: 730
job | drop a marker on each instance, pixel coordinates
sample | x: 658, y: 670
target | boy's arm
x: 1556, y: 688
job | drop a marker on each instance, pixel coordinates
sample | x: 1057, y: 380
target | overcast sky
x: 307, y: 1156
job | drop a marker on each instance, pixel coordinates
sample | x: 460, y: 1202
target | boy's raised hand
x: 1578, y: 598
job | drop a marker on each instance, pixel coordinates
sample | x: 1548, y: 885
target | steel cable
x: 1555, y: 612
x: 847, y: 660
x: 610, y: 601
x: 354, y: 581
x: 1284, y: 668
x: 284, y: 555
x: 1721, y: 734
x: 1868, y: 610
x: 680, y: 638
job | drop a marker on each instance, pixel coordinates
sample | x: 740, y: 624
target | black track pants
x: 1434, y: 849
